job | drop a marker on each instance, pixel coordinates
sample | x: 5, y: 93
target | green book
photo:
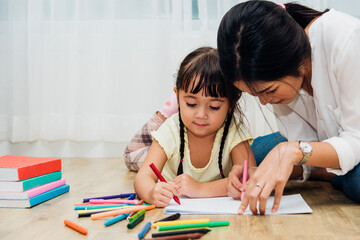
x: 29, y: 183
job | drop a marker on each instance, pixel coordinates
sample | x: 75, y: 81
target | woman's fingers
x: 277, y: 197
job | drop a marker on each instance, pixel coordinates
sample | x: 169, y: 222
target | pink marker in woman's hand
x: 245, y: 173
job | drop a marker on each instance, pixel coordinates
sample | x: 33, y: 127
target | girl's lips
x: 200, y: 125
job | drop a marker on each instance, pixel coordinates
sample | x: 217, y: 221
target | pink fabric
x: 170, y: 107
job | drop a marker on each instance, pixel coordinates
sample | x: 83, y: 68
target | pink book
x: 32, y: 192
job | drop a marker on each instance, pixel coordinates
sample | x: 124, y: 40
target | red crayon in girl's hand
x: 162, y: 179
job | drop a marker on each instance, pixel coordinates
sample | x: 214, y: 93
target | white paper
x: 290, y: 204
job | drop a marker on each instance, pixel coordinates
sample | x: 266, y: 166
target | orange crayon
x: 75, y: 227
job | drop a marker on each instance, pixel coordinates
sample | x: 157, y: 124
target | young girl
x: 196, y: 148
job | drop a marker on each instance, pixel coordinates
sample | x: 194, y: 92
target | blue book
x: 27, y: 203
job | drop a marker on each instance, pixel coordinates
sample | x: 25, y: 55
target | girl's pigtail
x: 226, y: 129
x: 182, y: 144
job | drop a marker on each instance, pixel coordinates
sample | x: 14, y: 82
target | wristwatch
x: 306, y: 148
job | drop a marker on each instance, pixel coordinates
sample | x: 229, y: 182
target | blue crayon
x: 144, y: 230
x: 116, y: 219
x: 132, y: 196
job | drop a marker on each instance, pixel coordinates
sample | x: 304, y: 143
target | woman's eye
x: 215, y: 108
x: 190, y: 105
x: 272, y: 91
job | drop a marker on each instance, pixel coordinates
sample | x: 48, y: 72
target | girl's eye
x: 215, y: 108
x: 190, y: 105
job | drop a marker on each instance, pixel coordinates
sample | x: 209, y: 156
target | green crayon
x: 194, y: 225
x: 137, y: 220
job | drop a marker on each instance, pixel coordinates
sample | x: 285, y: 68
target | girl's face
x: 202, y: 116
x: 282, y: 91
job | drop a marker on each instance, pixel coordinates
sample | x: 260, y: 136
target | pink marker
x: 103, y: 201
x: 245, y: 173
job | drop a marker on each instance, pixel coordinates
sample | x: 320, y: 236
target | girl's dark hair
x: 259, y: 40
x: 200, y: 71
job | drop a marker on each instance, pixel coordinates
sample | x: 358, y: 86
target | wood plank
x: 334, y: 216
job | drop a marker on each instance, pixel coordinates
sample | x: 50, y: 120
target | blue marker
x: 116, y: 219
x: 144, y: 230
x: 132, y: 196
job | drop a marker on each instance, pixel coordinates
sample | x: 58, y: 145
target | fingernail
x: 273, y: 210
x: 242, y: 189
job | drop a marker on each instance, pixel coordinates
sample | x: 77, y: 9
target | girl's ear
x: 177, y: 96
x: 175, y: 91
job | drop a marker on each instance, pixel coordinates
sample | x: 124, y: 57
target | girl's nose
x: 201, y: 113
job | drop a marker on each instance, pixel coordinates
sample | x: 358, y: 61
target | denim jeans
x: 348, y: 183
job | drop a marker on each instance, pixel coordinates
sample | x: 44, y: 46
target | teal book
x: 23, y: 185
x: 28, y: 203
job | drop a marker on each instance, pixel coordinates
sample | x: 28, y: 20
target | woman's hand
x: 235, y: 186
x: 162, y: 193
x: 273, y: 173
x: 187, y: 186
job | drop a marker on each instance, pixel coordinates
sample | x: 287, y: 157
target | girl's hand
x: 273, y: 173
x: 235, y: 186
x: 187, y: 186
x: 162, y: 193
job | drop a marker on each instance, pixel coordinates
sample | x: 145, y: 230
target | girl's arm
x: 146, y: 183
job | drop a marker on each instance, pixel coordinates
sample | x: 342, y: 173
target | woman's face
x: 282, y: 91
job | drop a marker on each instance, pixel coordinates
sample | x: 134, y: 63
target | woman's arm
x: 146, y: 183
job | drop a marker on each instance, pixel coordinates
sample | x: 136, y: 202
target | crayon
x: 75, y: 227
x: 194, y: 225
x: 111, y: 201
x: 136, y: 221
x: 162, y: 179
x: 120, y: 211
x: 180, y: 237
x: 136, y: 215
x: 116, y: 219
x: 145, y: 230
x: 170, y: 218
x: 124, y: 195
x: 140, y: 203
x: 132, y: 196
x: 196, y: 230
x: 168, y: 223
x: 244, y: 178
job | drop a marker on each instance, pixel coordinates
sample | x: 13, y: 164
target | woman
x: 306, y: 64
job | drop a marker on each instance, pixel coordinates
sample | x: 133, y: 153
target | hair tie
x: 181, y: 160
x: 282, y: 5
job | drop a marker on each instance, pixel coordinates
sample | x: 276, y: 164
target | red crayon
x: 161, y: 178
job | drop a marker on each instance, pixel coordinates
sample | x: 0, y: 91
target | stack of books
x: 28, y: 181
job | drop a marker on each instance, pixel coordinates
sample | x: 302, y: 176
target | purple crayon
x: 124, y: 195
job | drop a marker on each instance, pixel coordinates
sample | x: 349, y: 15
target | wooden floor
x: 334, y: 216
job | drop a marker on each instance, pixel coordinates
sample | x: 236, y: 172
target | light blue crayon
x: 116, y: 219
x: 144, y: 230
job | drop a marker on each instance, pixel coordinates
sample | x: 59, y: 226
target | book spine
x: 44, y: 188
x: 41, y: 180
x: 39, y: 169
x: 49, y: 195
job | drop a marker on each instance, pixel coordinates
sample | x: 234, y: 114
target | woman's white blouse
x: 333, y: 113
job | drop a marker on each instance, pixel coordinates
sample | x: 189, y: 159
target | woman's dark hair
x: 260, y: 41
x: 200, y: 71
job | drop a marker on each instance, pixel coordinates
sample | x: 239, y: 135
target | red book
x: 15, y: 168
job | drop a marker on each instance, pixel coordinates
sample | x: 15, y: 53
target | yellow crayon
x: 177, y: 222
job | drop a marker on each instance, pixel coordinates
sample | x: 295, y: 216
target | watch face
x: 306, y: 147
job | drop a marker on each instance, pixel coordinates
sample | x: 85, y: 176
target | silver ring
x: 258, y: 185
